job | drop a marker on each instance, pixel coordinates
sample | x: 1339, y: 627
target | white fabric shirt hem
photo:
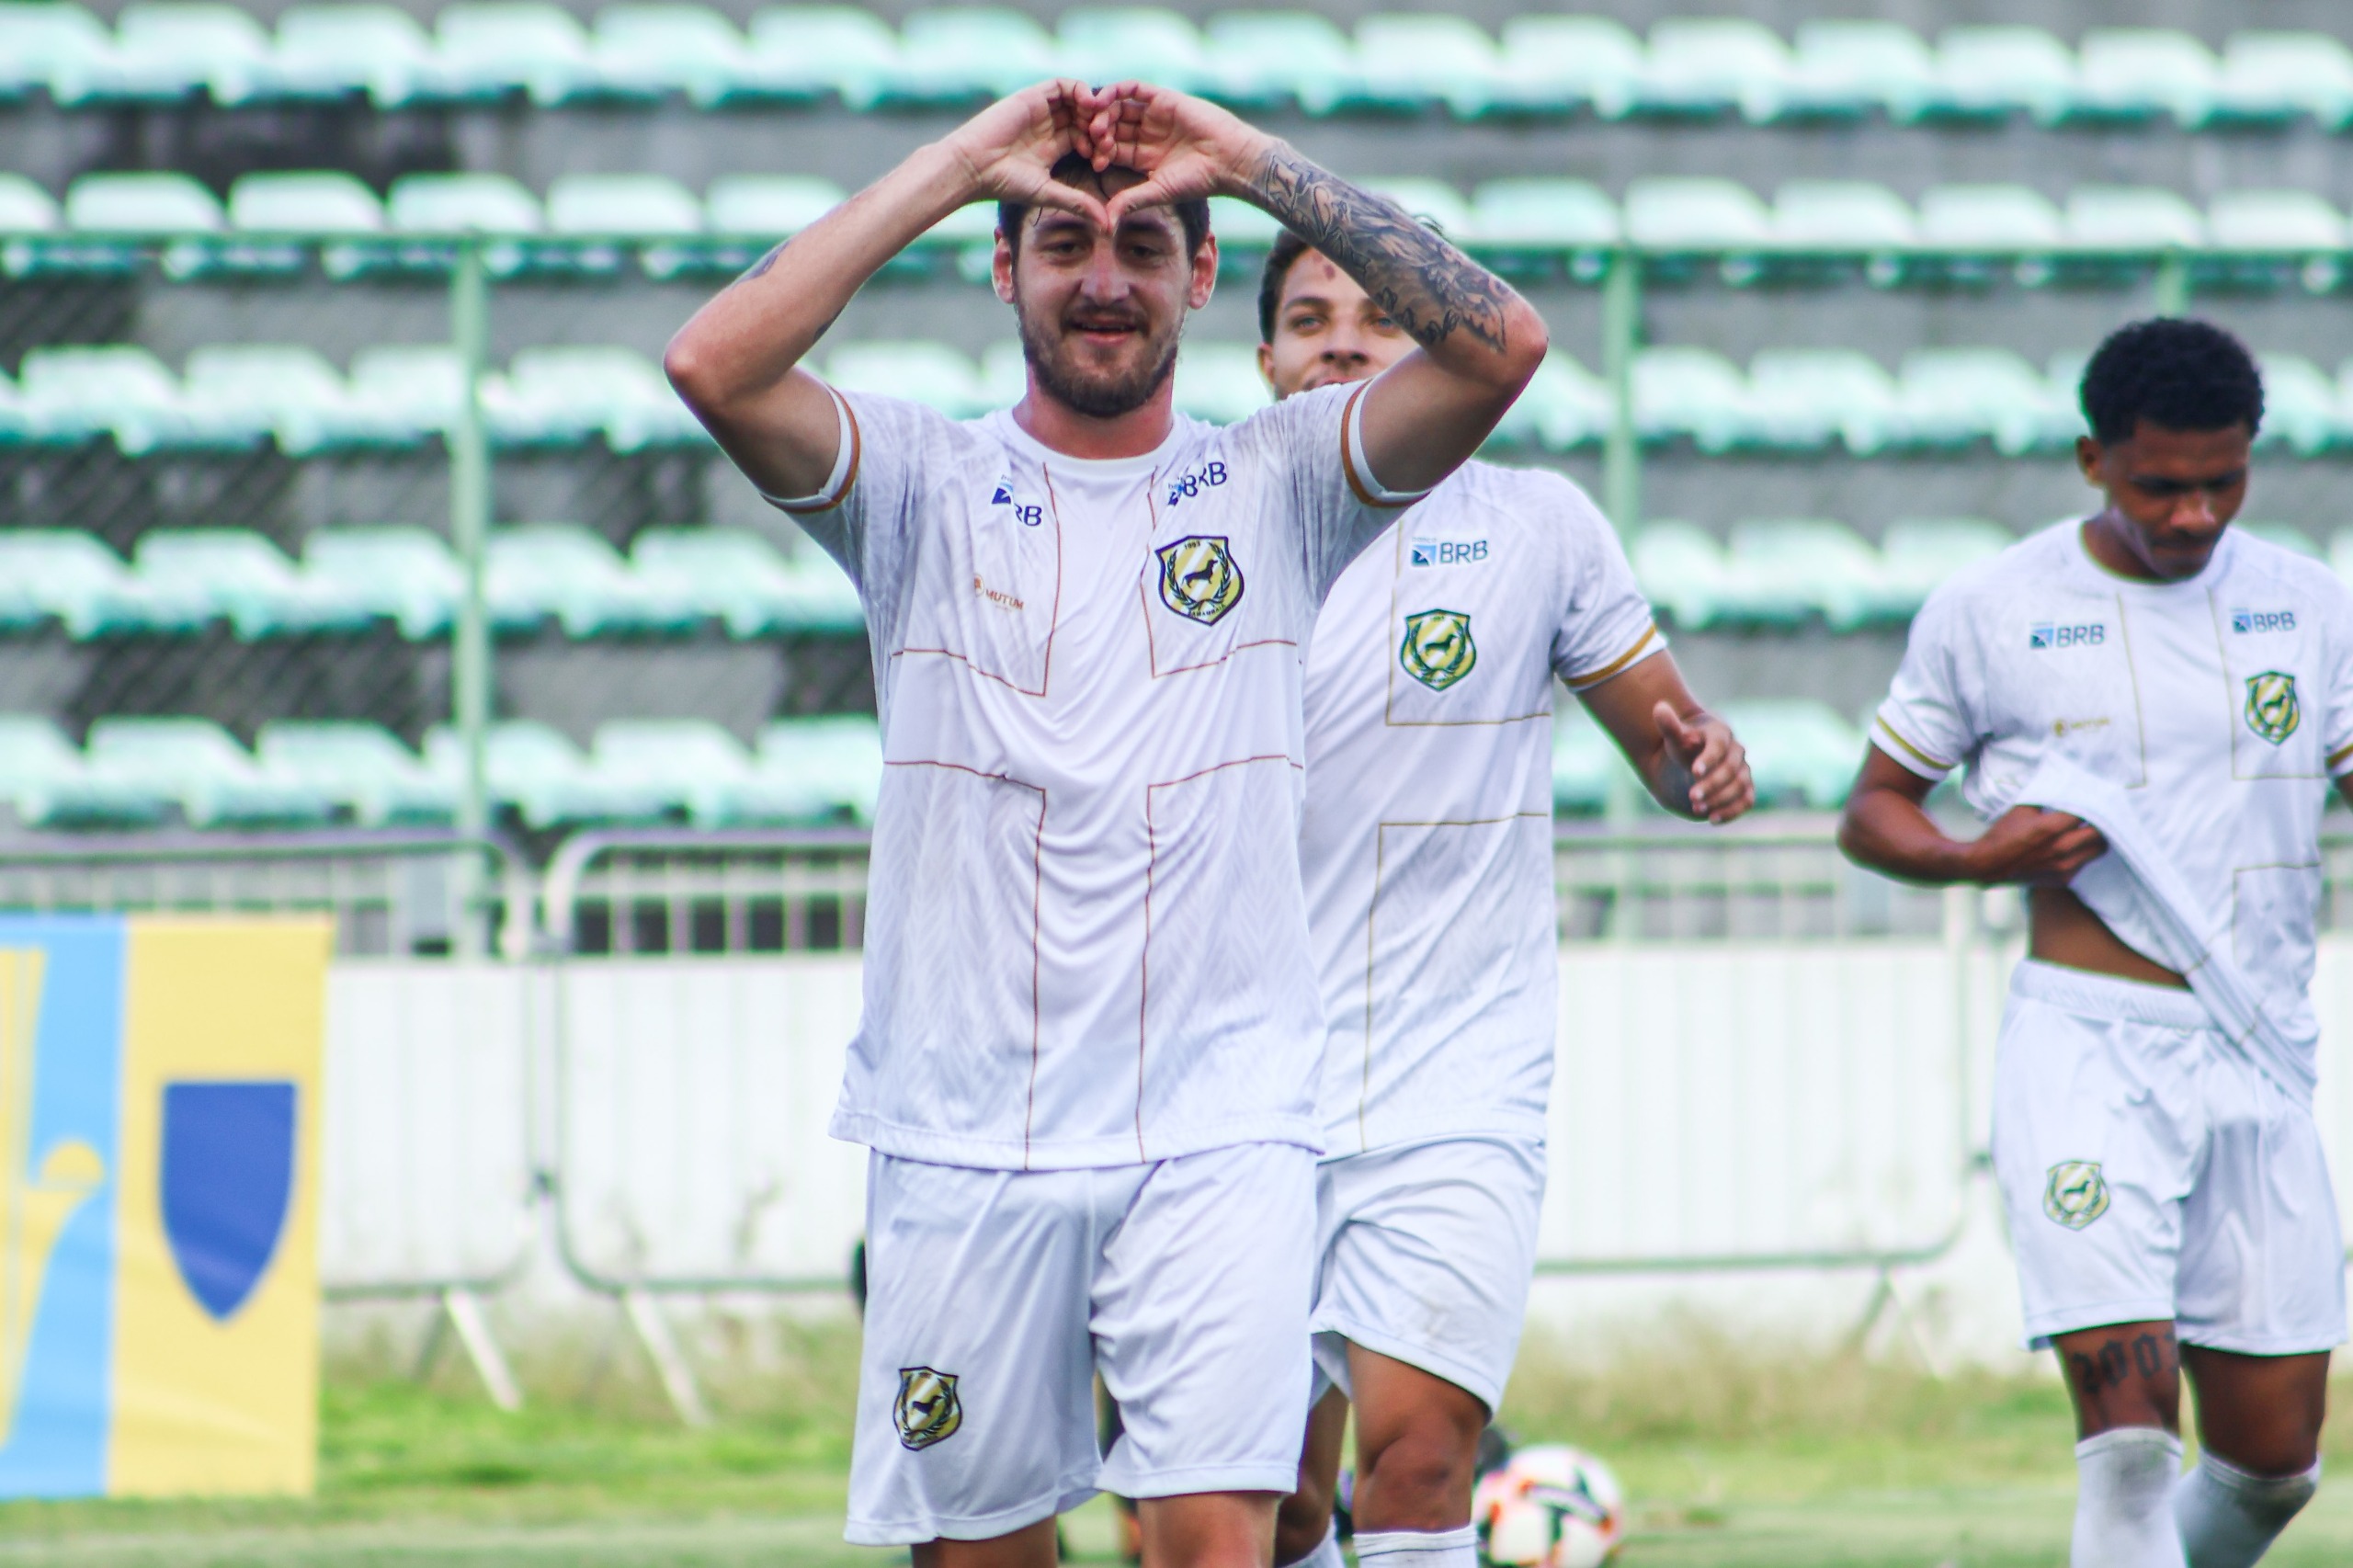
x: 1345, y: 1142
x: 929, y: 1146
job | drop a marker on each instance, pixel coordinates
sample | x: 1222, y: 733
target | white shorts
x: 1425, y: 1254
x: 2151, y: 1173
x: 995, y: 1297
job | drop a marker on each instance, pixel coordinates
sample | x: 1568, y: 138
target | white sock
x: 2123, y: 1513
x: 2230, y: 1519
x: 1327, y: 1553
x: 1417, y: 1549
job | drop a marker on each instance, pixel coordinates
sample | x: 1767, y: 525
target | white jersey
x: 1085, y: 940
x: 1428, y: 848
x: 2223, y: 703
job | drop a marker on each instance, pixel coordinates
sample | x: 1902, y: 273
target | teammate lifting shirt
x: 1087, y: 1055
x: 1427, y: 846
x: 2151, y: 709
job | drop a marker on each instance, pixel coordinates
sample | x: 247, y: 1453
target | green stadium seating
x: 241, y: 578
x: 930, y: 373
x: 769, y: 206
x: 405, y: 574
x: 840, y: 756
x: 167, y: 50
x: 1564, y: 406
x: 2134, y: 72
x: 1117, y: 43
x: 1997, y: 219
x: 491, y: 48
x: 2004, y: 70
x: 1410, y: 60
x: 1569, y: 62
x: 1238, y: 225
x: 1682, y: 572
x: 1842, y: 215
x: 563, y: 395
x: 142, y: 204
x: 1260, y: 57
x: 535, y: 770
x: 627, y: 205
x: 1431, y: 198
x: 360, y: 768
x: 965, y: 52
x: 2288, y: 221
x: 1542, y: 213
x: 48, y: 44
x: 1587, y: 766
x: 1785, y: 568
x: 1710, y: 64
x: 2300, y: 405
x: 1917, y: 554
x: 49, y: 784
x: 69, y: 574
x: 1798, y: 749
x: 538, y: 571
x: 1841, y: 66
x: 69, y: 394
x: 1690, y: 392
x: 2124, y: 217
x: 316, y: 202
x: 728, y: 574
x: 1803, y: 397
x: 808, y: 51
x: 700, y: 769
x: 2268, y: 75
x: 292, y: 392
x: 646, y: 51
x: 327, y: 50
x: 421, y: 386
x: 1958, y: 395
x: 1220, y: 382
x: 26, y: 208
x: 215, y: 781
x: 1676, y: 212
x: 464, y: 203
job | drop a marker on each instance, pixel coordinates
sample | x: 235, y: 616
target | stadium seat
x: 1431, y: 198
x: 319, y: 202
x: 1798, y: 749
x: 2274, y: 221
x: 67, y: 574
x: 2132, y: 73
x: 1685, y: 390
x: 1673, y: 212
x: 838, y: 756
x: 462, y: 204
x: 1805, y: 396
x: 535, y: 770
x: 1240, y: 226
x: 2004, y: 70
x: 489, y: 48
x: 1122, y: 43
x: 735, y: 576
x: 415, y: 386
x: 405, y: 574
x: 1542, y: 213
x: 292, y: 392
x: 2267, y: 75
x: 648, y: 51
x: 699, y: 769
x: 170, y: 50
x: 2287, y: 536
x: 1587, y: 766
x: 1410, y: 60
x: 562, y: 394
x: 49, y: 44
x: 1991, y: 219
x: 327, y: 50
x: 241, y: 578
x: 142, y: 204
x: 195, y: 761
x: 2126, y: 217
x: 49, y: 784
x: 808, y: 51
x: 930, y: 373
x: 626, y: 205
x: 26, y: 208
x: 1556, y: 62
x: 1262, y: 57
x: 2300, y: 405
x: 361, y: 767
x: 953, y: 54
x: 1958, y: 395
x: 768, y: 206
x: 1564, y: 406
x: 69, y: 394
x: 1710, y: 64
x: 1917, y: 554
x: 1784, y: 567
x: 1682, y: 572
x: 541, y: 570
x: 1841, y: 215
x: 1845, y: 67
x: 1220, y: 382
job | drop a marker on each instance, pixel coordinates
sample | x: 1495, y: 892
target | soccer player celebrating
x: 2151, y: 709
x: 1427, y: 853
x: 1088, y: 1059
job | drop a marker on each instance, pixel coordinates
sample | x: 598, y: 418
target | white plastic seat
x: 314, y: 202
x: 564, y: 393
x: 1122, y: 43
x: 1564, y: 406
x: 532, y: 767
x: 51, y: 785
x: 1845, y: 67
x: 421, y: 385
x: 838, y: 756
x: 1706, y: 64
x: 1238, y: 225
x: 1798, y: 749
x: 1696, y: 213
x: 1542, y: 213
x: 967, y: 51
x: 2003, y: 70
x: 330, y: 49
x: 2301, y: 406
x: 71, y: 575
x: 1412, y: 60
x: 1842, y: 215
x: 292, y: 392
x: 1917, y: 554
x: 1431, y: 198
x: 692, y: 766
x: 1681, y: 570
x: 624, y: 205
x: 1220, y: 382
x: 142, y: 204
x: 26, y: 208
x: 1783, y: 568
x: 361, y: 767
x: 2268, y: 75
x: 242, y: 578
x: 2274, y: 221
x: 930, y: 373
x: 1964, y: 394
x: 1257, y: 57
x: 462, y: 204
x: 768, y: 206
x: 807, y: 51
x: 2134, y: 72
x: 406, y: 574
x: 647, y: 50
x: 2128, y: 217
x: 735, y: 576
x: 1989, y: 218
x: 1564, y: 62
x: 1587, y: 764
x: 70, y: 393
x: 1805, y: 397
x: 216, y: 781
x: 169, y: 48
x: 561, y: 571
x: 486, y: 48
x: 1685, y: 390
x: 51, y: 44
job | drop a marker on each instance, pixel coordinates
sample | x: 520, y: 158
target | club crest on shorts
x: 1199, y: 578
x: 926, y: 1410
x: 1437, y: 650
x: 2272, y: 711
x: 2076, y: 1193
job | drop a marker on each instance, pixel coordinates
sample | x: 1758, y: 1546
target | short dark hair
x: 2175, y: 373
x: 1287, y: 249
x: 1192, y: 216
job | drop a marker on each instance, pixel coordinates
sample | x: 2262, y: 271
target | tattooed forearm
x: 760, y: 268
x: 1425, y: 284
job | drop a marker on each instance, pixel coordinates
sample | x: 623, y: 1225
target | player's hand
x: 1009, y: 148
x: 1185, y: 147
x: 2028, y: 844
x: 1704, y: 747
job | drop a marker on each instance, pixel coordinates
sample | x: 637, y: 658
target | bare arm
x: 735, y: 362
x: 1887, y: 827
x: 1686, y: 756
x: 1480, y: 341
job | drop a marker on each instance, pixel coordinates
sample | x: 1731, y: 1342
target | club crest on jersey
x: 1199, y: 578
x: 926, y: 1410
x: 2272, y: 711
x: 1437, y: 650
x: 2076, y: 1193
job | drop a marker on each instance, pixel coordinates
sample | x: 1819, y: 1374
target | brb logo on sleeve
x: 1199, y: 578
x: 2272, y: 711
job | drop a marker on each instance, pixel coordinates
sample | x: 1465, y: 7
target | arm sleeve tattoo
x: 1425, y: 284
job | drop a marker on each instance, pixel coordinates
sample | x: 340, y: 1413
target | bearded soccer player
x: 2151, y: 709
x: 1427, y: 848
x: 1087, y: 1057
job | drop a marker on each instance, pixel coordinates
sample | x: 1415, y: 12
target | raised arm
x: 1887, y: 827
x: 1480, y: 341
x: 735, y: 362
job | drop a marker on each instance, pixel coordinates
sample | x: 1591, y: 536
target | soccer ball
x: 1549, y: 1506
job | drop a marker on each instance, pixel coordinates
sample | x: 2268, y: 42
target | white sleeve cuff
x: 1368, y: 490
x: 845, y: 474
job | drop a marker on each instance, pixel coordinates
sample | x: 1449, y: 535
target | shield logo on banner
x: 228, y: 1175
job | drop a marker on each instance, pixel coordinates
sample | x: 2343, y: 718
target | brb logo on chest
x: 1449, y: 551
x: 1199, y: 578
x: 1208, y: 476
x: 2252, y: 622
x: 2049, y: 634
x: 1028, y: 514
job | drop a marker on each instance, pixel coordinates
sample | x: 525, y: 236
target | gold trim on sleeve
x: 1580, y: 682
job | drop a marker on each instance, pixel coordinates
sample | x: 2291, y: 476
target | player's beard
x: 1097, y: 392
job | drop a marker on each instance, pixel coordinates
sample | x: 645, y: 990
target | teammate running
x: 1428, y: 852
x: 2151, y: 710
x: 1087, y: 1063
